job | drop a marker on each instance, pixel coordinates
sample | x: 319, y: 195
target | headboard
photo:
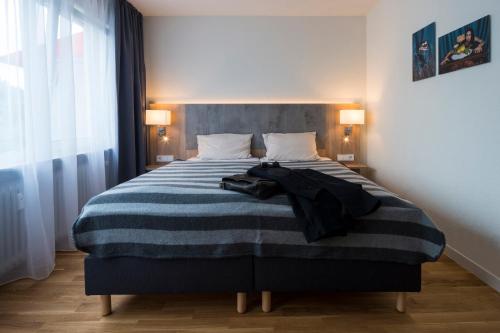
x: 257, y: 119
x: 188, y: 120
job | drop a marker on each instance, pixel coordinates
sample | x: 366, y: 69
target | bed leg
x: 401, y: 302
x: 105, y: 305
x: 241, y: 302
x: 266, y: 301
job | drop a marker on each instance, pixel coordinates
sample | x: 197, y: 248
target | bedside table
x: 151, y: 167
x: 355, y: 166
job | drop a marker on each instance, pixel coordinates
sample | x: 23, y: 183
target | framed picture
x: 424, y: 52
x: 465, y: 47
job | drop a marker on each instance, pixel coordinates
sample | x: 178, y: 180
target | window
x: 56, y: 78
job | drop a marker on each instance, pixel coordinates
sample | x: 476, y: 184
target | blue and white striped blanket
x: 179, y: 211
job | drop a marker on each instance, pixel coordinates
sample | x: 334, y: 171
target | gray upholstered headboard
x: 259, y: 119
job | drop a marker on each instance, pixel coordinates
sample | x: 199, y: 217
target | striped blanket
x: 179, y: 211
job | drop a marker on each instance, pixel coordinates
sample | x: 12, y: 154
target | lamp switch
x: 164, y: 158
x: 345, y: 157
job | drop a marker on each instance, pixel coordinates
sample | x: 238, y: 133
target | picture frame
x: 424, y: 52
x: 465, y: 47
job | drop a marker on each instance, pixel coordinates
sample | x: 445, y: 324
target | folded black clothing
x: 324, y: 205
x: 256, y: 186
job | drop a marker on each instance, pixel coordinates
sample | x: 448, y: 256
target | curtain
x: 57, y: 125
x: 131, y: 85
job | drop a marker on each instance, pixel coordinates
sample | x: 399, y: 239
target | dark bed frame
x: 133, y: 276
x: 128, y: 275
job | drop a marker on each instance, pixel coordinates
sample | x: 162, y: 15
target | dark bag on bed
x: 256, y: 186
x: 324, y: 205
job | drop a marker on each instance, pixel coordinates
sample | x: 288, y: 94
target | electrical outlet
x: 345, y: 157
x: 164, y: 158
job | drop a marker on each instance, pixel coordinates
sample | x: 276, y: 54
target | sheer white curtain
x: 57, y: 125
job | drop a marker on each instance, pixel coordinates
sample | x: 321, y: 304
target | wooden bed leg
x: 401, y: 302
x: 266, y: 301
x: 241, y: 302
x: 105, y: 305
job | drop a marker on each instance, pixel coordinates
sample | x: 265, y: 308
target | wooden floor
x: 452, y: 300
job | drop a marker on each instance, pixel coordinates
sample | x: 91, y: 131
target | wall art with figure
x: 465, y: 47
x: 424, y: 52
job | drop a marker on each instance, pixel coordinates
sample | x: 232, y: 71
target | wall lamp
x: 349, y: 118
x: 160, y: 118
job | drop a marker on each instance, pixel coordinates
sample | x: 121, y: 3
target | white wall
x: 437, y: 141
x: 255, y: 58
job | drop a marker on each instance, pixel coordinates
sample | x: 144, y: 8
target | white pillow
x: 291, y: 146
x: 224, y: 146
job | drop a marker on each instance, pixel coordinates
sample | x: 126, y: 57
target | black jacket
x: 323, y: 204
x: 256, y: 186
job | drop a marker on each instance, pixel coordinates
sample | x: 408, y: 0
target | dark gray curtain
x: 131, y: 86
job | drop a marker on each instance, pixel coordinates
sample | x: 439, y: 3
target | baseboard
x: 482, y: 273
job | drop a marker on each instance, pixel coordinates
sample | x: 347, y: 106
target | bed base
x: 130, y: 276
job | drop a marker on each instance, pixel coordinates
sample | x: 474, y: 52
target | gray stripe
x: 178, y: 198
x: 170, y: 190
x: 163, y: 237
x: 179, y: 177
x: 258, y: 250
x: 213, y: 209
x: 210, y: 165
x: 214, y: 177
x: 196, y: 172
x: 170, y: 182
x: 163, y: 184
x: 178, y: 169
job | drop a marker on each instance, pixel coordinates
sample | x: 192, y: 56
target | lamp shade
x: 158, y: 117
x: 352, y: 117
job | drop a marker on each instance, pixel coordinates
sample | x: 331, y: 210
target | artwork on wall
x: 465, y: 47
x: 424, y: 52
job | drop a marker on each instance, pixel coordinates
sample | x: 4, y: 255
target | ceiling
x: 253, y: 7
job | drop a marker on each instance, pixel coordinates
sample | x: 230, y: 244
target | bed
x: 173, y: 230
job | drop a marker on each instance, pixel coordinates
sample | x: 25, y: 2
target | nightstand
x: 151, y: 167
x: 355, y: 166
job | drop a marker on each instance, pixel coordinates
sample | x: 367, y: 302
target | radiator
x: 12, y: 227
x: 13, y: 238
x: 64, y: 239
